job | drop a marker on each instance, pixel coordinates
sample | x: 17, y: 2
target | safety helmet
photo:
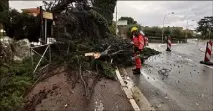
x: 134, y: 29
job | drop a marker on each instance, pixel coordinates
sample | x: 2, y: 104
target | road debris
x: 164, y: 72
x: 159, y: 105
x: 65, y: 105
x: 178, y: 81
x: 202, y: 95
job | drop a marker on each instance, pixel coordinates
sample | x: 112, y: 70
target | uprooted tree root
x: 87, y: 78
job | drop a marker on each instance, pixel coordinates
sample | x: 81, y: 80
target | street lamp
x: 186, y: 35
x: 163, y: 24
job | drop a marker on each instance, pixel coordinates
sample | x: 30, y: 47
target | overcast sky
x: 151, y: 13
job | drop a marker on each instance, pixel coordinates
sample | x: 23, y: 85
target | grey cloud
x: 156, y: 10
x: 151, y: 13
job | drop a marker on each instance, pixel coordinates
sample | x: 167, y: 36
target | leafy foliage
x: 205, y: 25
x: 4, y: 5
x: 174, y: 32
x: 112, y: 28
x: 149, y: 52
x: 105, y: 8
x: 15, y: 78
x: 20, y: 25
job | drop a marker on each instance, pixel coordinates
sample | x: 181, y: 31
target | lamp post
x: 186, y: 34
x: 163, y: 24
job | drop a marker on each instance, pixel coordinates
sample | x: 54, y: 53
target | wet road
x: 183, y: 85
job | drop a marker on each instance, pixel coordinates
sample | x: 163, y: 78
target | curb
x: 133, y: 93
x: 127, y: 91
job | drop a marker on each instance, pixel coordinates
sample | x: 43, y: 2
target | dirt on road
x: 67, y: 91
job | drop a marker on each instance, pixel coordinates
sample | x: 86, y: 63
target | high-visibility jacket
x: 139, y: 41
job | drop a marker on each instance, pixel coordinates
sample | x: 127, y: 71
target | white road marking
x: 159, y: 46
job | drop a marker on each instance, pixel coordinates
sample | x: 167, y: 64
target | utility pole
x: 116, y: 19
x: 186, y: 36
x: 186, y: 33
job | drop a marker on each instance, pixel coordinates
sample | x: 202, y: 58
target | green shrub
x: 15, y: 78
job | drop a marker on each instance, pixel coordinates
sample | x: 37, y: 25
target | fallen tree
x: 79, y: 29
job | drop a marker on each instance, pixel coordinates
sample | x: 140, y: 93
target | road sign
x: 47, y: 15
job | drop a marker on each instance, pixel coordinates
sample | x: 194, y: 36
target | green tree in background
x: 152, y: 31
x: 156, y: 32
x: 177, y: 32
x: 204, y: 25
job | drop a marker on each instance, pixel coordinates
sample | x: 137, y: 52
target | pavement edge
x: 136, y: 98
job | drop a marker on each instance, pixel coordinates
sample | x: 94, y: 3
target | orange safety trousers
x: 137, y: 61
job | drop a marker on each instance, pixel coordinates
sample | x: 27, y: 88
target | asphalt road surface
x: 176, y: 80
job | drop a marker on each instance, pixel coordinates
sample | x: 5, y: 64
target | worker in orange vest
x: 138, y: 41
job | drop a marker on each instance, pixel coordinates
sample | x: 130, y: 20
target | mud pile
x: 66, y: 91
